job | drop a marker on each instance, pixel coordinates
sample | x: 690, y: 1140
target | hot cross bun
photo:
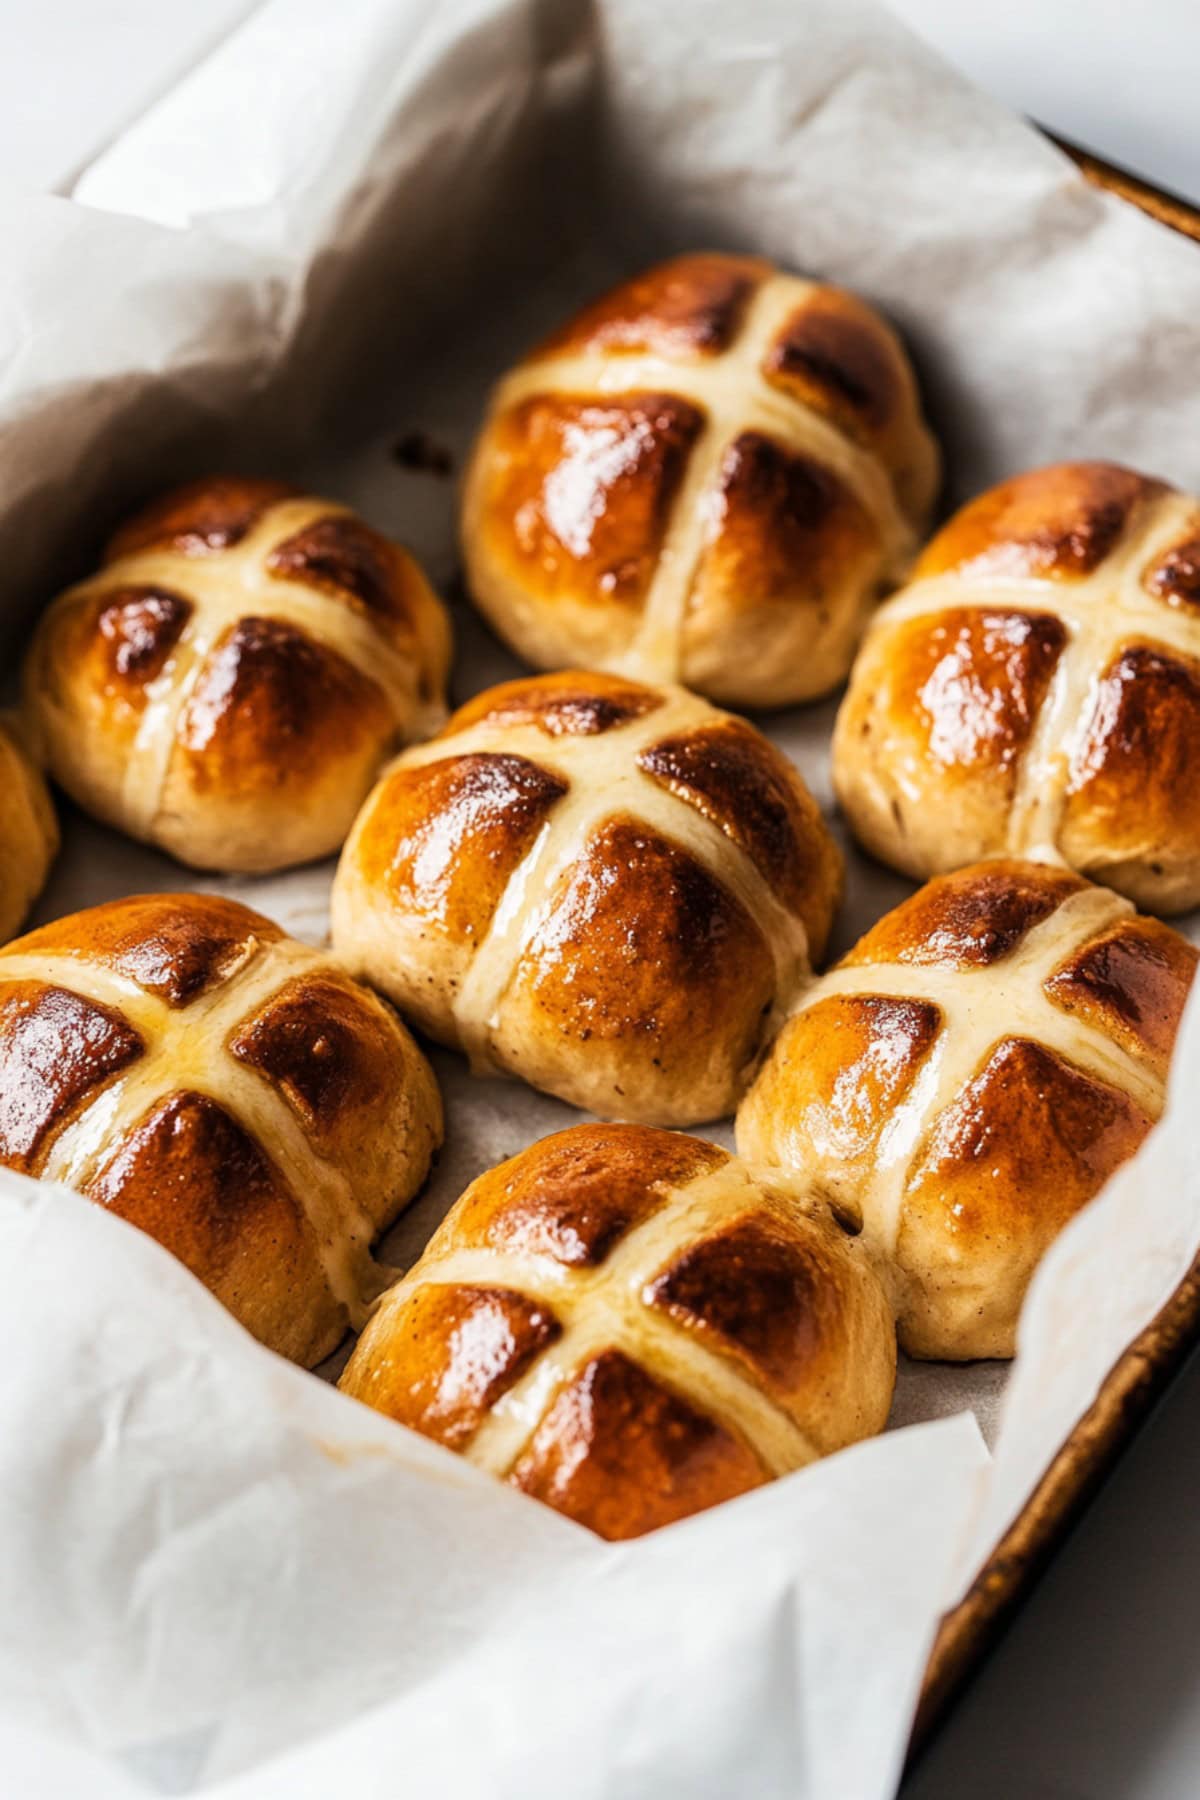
x: 708, y: 476
x: 968, y: 1077
x: 609, y: 889
x: 1036, y: 689
x: 228, y: 683
x: 180, y: 1060
x: 630, y: 1325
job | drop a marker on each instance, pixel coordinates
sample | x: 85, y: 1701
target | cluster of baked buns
x: 598, y: 882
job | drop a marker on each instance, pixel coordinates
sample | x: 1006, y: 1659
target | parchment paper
x: 337, y: 231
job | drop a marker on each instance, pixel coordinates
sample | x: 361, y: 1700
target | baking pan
x: 1136, y: 1380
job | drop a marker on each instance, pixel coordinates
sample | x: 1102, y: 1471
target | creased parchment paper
x: 213, y: 1568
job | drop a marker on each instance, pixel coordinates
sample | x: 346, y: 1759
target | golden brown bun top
x: 229, y: 680
x: 1130, y: 978
x: 338, y: 554
x: 716, y: 764
x: 1060, y: 522
x: 210, y: 513
x: 831, y: 352
x: 180, y: 1059
x: 175, y: 946
x: 705, y: 476
x: 607, y: 888
x: 669, y: 1329
x: 295, y: 1018
x: 687, y: 307
x: 575, y: 704
x: 969, y: 919
x: 575, y: 1195
x: 970, y: 1075
x: 1035, y: 689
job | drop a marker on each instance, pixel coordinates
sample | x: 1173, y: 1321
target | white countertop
x: 1095, y: 1692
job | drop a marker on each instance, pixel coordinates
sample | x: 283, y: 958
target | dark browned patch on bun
x: 620, y: 1453
x: 1062, y: 521
x: 444, y: 838
x: 690, y: 306
x: 839, y: 1069
x: 342, y: 555
x: 191, y: 1176
x: 751, y: 1286
x: 1175, y: 575
x: 173, y: 945
x: 55, y: 1049
x: 1132, y: 982
x: 784, y: 530
x: 760, y: 475
x: 452, y: 1352
x: 1134, y: 785
x: 272, y: 703
x: 977, y: 679
x: 828, y: 351
x: 315, y: 1040
x: 203, y: 516
x: 580, y: 490
x: 575, y: 1195
x: 643, y: 944
x: 1029, y: 1140
x: 140, y: 627
x: 735, y: 778
x: 569, y: 705
x: 969, y: 919
x: 1145, y: 727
